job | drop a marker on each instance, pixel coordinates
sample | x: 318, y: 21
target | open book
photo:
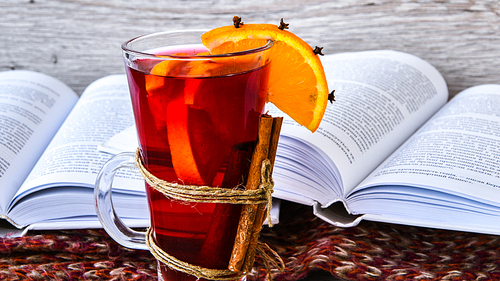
x: 364, y: 162
x: 48, y: 152
x: 391, y: 149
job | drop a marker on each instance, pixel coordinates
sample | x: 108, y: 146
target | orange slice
x: 194, y: 144
x: 204, y: 67
x: 297, y: 81
x: 156, y: 81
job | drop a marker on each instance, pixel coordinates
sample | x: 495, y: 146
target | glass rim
x: 127, y: 49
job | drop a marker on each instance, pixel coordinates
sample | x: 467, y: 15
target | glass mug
x: 197, y: 119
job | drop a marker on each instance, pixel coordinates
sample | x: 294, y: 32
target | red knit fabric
x: 370, y: 251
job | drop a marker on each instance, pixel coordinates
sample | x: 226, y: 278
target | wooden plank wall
x: 79, y: 41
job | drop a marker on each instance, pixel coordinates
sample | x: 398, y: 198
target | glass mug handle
x: 113, y: 225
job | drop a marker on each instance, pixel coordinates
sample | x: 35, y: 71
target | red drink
x: 197, y: 125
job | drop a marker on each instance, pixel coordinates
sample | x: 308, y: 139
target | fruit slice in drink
x: 195, y: 145
x: 199, y: 132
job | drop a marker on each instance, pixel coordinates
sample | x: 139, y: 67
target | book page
x: 382, y: 97
x: 32, y: 108
x: 455, y: 157
x: 72, y: 158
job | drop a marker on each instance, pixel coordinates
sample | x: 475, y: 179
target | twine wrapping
x: 207, y: 194
x: 197, y: 271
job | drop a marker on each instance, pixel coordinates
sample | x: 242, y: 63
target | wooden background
x: 78, y: 41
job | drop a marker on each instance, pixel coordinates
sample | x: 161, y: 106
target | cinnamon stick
x: 223, y: 227
x: 249, y: 212
x: 275, y: 137
x: 261, y: 210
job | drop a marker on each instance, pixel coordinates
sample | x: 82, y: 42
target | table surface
x: 79, y: 41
